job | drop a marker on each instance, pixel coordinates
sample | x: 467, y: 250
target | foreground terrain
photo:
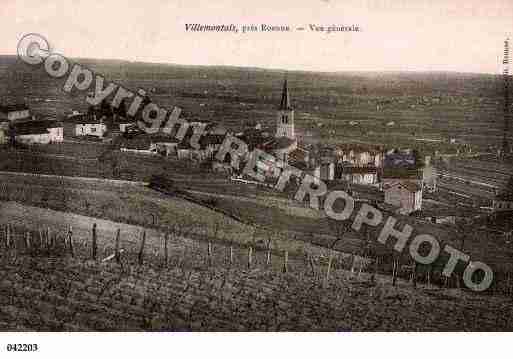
x: 65, y: 294
x: 48, y: 285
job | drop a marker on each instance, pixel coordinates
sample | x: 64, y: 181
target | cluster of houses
x: 18, y: 124
x: 399, y: 176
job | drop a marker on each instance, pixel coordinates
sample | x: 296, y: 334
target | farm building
x: 123, y: 126
x: 406, y: 195
x: 150, y: 144
x: 366, y: 175
x: 325, y: 171
x: 81, y: 124
x: 40, y: 132
x: 15, y: 112
x: 359, y: 155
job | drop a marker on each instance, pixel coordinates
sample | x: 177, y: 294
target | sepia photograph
x: 173, y: 170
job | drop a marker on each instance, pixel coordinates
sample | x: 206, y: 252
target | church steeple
x: 285, y: 98
x: 285, y: 115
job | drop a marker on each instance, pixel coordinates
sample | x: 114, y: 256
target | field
x: 293, y: 227
x: 422, y: 106
x: 43, y: 288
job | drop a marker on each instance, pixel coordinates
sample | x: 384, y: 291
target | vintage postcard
x: 239, y: 166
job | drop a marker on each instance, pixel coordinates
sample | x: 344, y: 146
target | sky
x: 396, y: 35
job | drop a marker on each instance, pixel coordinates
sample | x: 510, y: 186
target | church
x: 284, y: 141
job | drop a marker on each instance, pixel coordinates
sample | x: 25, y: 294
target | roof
x: 211, y: 139
x: 143, y: 141
x: 300, y: 165
x: 358, y: 148
x: 280, y: 143
x: 298, y: 155
x: 401, y: 172
x: 358, y: 169
x: 254, y: 138
x: 399, y: 160
x: 285, y: 98
x: 408, y: 185
x: 34, y: 127
x: 83, y: 118
x: 13, y: 107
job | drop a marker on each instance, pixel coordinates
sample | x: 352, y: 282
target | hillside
x: 433, y: 106
x: 43, y: 288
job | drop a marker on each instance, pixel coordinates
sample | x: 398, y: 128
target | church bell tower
x: 285, y: 116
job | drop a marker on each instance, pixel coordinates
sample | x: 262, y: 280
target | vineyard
x: 56, y: 280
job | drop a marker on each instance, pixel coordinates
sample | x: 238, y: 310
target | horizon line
x: 276, y: 69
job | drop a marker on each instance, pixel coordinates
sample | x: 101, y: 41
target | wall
x: 92, y: 129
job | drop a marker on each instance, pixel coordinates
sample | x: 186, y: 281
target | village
x: 86, y: 186
x: 401, y: 179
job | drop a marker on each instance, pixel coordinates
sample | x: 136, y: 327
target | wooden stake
x: 95, y: 243
x: 286, y: 262
x: 269, y: 247
x: 166, y: 252
x: 209, y: 253
x: 312, y: 264
x: 49, y: 239
x: 250, y: 256
x: 41, y: 240
x: 414, y: 275
x: 117, y: 252
x: 27, y: 240
x: 70, y: 242
x: 8, y: 230
x: 330, y: 260
x: 141, y: 250
x: 394, y: 272
x: 231, y: 256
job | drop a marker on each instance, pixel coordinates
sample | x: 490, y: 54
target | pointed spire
x: 285, y: 98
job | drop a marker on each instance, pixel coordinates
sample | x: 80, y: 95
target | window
x: 284, y: 119
x: 93, y: 129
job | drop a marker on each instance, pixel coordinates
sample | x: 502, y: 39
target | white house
x: 123, y: 126
x: 81, y: 124
x: 365, y: 175
x: 359, y: 155
x: 406, y: 195
x: 90, y: 129
x: 38, y: 132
